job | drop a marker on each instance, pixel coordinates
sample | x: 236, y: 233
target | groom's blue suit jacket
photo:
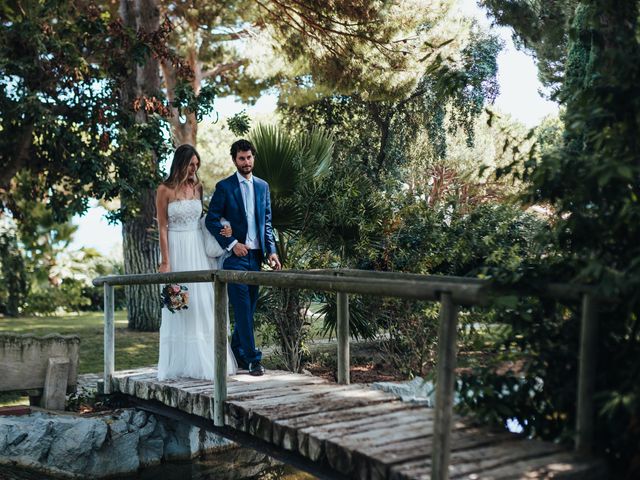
x: 227, y: 202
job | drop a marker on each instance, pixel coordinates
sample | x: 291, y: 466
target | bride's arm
x: 226, y: 230
x: 162, y: 204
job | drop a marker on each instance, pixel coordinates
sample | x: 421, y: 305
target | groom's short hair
x: 242, y: 145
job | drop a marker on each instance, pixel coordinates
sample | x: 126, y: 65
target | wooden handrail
x: 472, y: 293
x: 556, y: 290
x: 480, y: 289
x: 449, y: 291
x: 196, y: 276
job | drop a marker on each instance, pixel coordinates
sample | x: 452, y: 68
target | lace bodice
x: 184, y: 214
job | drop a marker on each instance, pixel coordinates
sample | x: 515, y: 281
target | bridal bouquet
x: 175, y: 297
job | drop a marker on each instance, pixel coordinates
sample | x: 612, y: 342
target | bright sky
x: 517, y: 75
x: 519, y: 86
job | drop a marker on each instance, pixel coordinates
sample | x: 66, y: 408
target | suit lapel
x: 257, y: 188
x: 238, y: 194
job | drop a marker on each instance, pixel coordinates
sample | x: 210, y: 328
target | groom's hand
x: 240, y: 249
x: 274, y: 261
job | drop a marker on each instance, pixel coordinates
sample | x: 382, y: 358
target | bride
x: 186, y: 336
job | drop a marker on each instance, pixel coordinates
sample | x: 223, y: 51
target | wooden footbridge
x: 354, y: 431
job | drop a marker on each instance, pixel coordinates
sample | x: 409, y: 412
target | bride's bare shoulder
x: 165, y: 192
x: 164, y: 189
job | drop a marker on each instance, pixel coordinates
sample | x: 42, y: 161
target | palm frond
x: 287, y: 215
x: 317, y: 150
x: 276, y: 160
x: 290, y: 165
x: 277, y: 163
x: 361, y: 325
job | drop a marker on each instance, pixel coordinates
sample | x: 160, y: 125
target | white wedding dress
x: 186, y: 336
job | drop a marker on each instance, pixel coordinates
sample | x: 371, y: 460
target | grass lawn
x: 133, y: 349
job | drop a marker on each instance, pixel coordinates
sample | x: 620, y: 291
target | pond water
x: 231, y: 464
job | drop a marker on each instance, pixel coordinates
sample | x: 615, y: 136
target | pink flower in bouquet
x: 174, y: 297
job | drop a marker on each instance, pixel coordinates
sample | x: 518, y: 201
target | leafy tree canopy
x: 384, y: 134
x: 588, y: 173
x: 62, y: 128
x: 312, y: 49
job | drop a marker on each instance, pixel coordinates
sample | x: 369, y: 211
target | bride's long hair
x: 179, y: 172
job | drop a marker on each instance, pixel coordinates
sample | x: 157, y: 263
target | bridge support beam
x: 447, y: 337
x: 342, y: 332
x: 586, y: 375
x: 109, y: 337
x: 220, y: 359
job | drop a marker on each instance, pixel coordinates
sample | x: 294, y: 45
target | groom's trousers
x: 244, y: 299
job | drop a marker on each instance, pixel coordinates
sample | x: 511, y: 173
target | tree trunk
x: 141, y: 251
x: 141, y: 255
x: 184, y: 128
x: 383, y: 121
x: 15, y: 161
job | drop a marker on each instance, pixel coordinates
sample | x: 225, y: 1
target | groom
x: 244, y: 201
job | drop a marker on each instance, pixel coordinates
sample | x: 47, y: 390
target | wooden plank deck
x: 357, y: 431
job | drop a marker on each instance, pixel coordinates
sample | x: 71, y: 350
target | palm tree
x: 293, y: 166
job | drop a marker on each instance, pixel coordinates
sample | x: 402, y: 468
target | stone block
x: 55, y: 384
x: 24, y: 361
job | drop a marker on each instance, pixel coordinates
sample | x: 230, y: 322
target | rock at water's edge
x: 98, y: 446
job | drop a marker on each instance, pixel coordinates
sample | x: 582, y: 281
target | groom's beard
x: 246, y: 169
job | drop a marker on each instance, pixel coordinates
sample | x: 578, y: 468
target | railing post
x: 109, y: 337
x: 444, y: 388
x: 342, y: 332
x: 586, y: 374
x: 220, y: 345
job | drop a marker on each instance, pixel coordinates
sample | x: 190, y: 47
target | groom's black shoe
x: 256, y: 369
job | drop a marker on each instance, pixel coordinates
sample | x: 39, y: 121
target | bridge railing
x: 450, y: 292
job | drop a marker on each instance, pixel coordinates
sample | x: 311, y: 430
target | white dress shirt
x: 249, y: 198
